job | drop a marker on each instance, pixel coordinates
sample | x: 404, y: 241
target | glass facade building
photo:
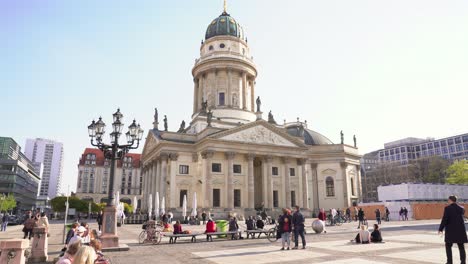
x: 18, y: 175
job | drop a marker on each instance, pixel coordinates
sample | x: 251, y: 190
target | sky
x: 382, y: 70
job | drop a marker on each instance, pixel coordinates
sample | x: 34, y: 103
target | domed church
x: 232, y: 157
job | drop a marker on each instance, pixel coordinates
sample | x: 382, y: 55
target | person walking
x: 387, y: 214
x: 233, y: 227
x: 401, y: 214
x: 455, y: 231
x: 99, y: 220
x: 285, y: 228
x: 5, y: 218
x: 333, y: 216
x: 298, y: 223
x: 360, y: 217
x: 348, y: 214
x: 377, y: 216
x: 405, y: 213
x: 355, y: 214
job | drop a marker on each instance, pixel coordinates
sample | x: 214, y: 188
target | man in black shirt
x: 455, y: 231
x: 298, y: 223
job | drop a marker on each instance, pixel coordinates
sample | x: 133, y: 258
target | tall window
x: 237, y: 168
x: 274, y: 171
x: 330, y: 186
x: 91, y: 183
x: 221, y: 98
x: 216, y: 167
x: 293, y: 198
x: 237, y: 198
x: 275, y: 199
x: 352, y: 187
x: 216, y: 198
x: 183, y: 169
x: 292, y: 172
x: 181, y: 197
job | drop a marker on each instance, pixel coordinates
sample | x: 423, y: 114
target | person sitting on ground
x: 260, y: 223
x: 250, y: 223
x: 376, y: 236
x: 69, y: 254
x: 78, y: 235
x: 177, y: 228
x: 97, y: 245
x: 363, y: 236
x: 85, y: 255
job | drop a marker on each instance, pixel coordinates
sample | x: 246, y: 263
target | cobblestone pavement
x: 405, y: 242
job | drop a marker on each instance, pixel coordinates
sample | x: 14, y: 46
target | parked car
x: 13, y: 220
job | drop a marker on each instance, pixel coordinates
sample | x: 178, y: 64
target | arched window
x: 352, y: 187
x: 330, y: 185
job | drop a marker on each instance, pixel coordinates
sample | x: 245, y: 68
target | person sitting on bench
x: 376, y: 236
x: 260, y: 223
x: 177, y: 228
x: 250, y: 223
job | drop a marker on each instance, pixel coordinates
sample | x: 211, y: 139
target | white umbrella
x: 117, y: 199
x: 163, y: 206
x: 156, y: 205
x: 135, y: 204
x: 150, y: 204
x: 194, y: 205
x: 184, y: 206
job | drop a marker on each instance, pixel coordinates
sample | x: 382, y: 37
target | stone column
x: 230, y: 180
x: 315, y: 189
x: 250, y: 180
x: 159, y: 178
x: 359, y: 183
x: 228, y: 88
x: 287, y: 186
x: 155, y: 183
x: 200, y: 92
x: 305, y: 183
x: 151, y: 178
x: 252, y: 96
x: 208, y: 155
x: 172, y: 186
x: 344, y: 176
x: 39, y: 245
x: 269, y: 182
x: 195, y: 96
x: 13, y: 251
x: 164, y: 157
x: 244, y: 90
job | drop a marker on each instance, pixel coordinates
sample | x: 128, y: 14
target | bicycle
x: 151, y: 234
x: 272, y: 232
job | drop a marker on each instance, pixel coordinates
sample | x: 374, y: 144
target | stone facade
x: 235, y: 160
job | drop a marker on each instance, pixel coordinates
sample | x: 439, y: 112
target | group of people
x: 364, y: 236
x: 36, y: 220
x: 82, y: 246
x: 290, y: 222
x: 403, y: 214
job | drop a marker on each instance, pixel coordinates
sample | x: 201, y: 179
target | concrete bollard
x: 39, y: 245
x: 13, y: 251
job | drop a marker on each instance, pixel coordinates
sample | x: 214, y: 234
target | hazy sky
x: 382, y: 70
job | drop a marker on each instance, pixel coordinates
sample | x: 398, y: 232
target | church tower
x: 224, y: 77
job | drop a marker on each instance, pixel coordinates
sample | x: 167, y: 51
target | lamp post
x: 113, y: 152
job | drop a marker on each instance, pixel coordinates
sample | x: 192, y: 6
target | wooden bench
x: 173, y: 237
x: 257, y: 231
x: 209, y: 236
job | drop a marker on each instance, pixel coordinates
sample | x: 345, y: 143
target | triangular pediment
x: 150, y: 143
x: 260, y: 133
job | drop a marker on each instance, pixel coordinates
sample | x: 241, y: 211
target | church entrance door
x: 258, y: 183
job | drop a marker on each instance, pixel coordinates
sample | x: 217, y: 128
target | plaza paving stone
x: 406, y: 242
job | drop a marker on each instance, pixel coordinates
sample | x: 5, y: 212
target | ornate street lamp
x: 113, y: 152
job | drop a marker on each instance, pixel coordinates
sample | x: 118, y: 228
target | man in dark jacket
x: 298, y: 223
x: 99, y: 220
x: 360, y: 217
x: 455, y: 231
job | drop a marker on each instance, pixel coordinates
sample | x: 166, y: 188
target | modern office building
x: 50, y: 154
x: 371, y: 178
x: 408, y: 149
x: 94, y: 173
x: 18, y: 175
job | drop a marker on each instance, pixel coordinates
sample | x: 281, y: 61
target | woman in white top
x: 43, y: 221
x: 363, y: 236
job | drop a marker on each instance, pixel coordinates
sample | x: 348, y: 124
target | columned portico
x: 305, y: 183
x: 269, y: 182
x: 164, y: 158
x: 172, y: 183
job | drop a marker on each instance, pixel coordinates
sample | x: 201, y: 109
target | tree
x: 128, y: 208
x: 97, y: 207
x: 7, y: 202
x: 58, y: 204
x: 458, y: 172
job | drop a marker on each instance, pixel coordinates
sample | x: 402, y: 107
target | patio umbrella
x: 156, y: 205
x: 163, y: 206
x: 194, y: 205
x: 184, y: 206
x: 150, y: 204
x: 135, y: 204
x: 117, y: 199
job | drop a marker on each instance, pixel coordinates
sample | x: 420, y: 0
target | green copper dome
x: 224, y: 25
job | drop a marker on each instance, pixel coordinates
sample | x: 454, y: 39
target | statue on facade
x: 165, y: 123
x: 204, y: 106
x: 235, y: 101
x: 354, y: 139
x: 342, y: 137
x: 156, y: 119
x: 271, y: 119
x: 182, y: 127
x: 209, y: 116
x: 259, y: 103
